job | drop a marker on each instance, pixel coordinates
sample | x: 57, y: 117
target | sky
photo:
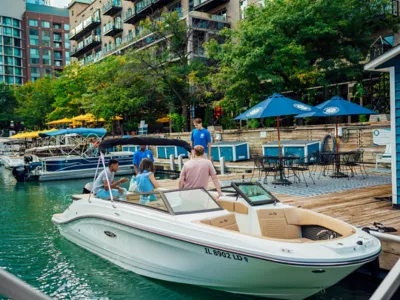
x: 59, y: 3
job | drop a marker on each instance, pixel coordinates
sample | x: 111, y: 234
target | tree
x: 35, y: 101
x: 8, y: 104
x: 293, y: 45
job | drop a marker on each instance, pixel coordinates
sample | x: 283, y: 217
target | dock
x: 356, y: 206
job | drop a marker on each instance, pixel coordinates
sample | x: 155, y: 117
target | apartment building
x: 34, y: 41
x: 104, y: 27
x: 46, y: 39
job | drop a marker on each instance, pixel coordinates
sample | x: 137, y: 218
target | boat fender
x: 325, y: 141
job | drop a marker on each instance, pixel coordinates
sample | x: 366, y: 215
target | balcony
x: 86, y: 45
x: 206, y: 5
x: 144, y: 7
x: 379, y: 47
x: 210, y: 24
x: 83, y: 28
x: 131, y: 17
x: 112, y: 7
x: 111, y: 29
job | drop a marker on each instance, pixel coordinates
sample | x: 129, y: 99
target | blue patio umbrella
x: 336, y: 107
x: 275, y: 105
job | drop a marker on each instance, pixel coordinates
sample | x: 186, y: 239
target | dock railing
x: 389, y: 285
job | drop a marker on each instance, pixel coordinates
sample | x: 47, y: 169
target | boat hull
x: 166, y: 258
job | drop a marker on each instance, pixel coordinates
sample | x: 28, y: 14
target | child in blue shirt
x: 145, y: 180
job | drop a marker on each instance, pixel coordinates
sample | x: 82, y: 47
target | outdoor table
x: 282, y: 180
x: 337, y: 159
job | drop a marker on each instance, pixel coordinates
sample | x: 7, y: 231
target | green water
x: 32, y: 249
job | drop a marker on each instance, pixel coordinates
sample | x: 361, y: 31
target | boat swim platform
x: 350, y: 200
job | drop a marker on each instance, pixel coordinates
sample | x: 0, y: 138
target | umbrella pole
x: 337, y: 135
x: 279, y: 137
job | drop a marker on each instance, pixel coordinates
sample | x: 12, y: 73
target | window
x: 17, y: 33
x: 118, y: 41
x: 1, y: 70
x: 47, y: 72
x: 1, y: 59
x: 18, y: 71
x: 46, y: 61
x: 34, y: 52
x: 46, y: 38
x: 66, y: 26
x: 33, y: 33
x: 1, y: 50
x: 183, y: 201
x: 9, y: 80
x: 8, y: 51
x: 57, y: 55
x: 7, y: 21
x: 16, y: 23
x: 33, y: 23
x: 17, y: 62
x: 58, y: 63
x: 243, y: 6
x: 9, y: 70
x: 57, y: 37
x: 8, y: 60
x: 8, y: 31
x: 1, y: 40
x: 57, y: 45
x: 35, y: 71
x: 34, y: 42
x: 18, y: 80
x: 45, y: 24
x: 17, y: 42
x: 17, y: 52
x: 8, y: 41
x: 56, y: 25
x: 46, y: 53
x: 35, y: 61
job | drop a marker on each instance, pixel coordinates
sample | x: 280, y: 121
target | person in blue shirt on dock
x: 139, y: 155
x: 201, y: 136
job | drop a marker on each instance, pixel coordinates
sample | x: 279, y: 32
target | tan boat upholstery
x: 240, y: 208
x: 273, y: 224
x: 286, y: 223
x: 226, y: 222
x: 228, y: 205
x: 234, y: 206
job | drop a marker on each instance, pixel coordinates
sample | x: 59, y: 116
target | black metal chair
x: 325, y: 160
x: 351, y: 161
x: 269, y: 165
x: 302, y: 165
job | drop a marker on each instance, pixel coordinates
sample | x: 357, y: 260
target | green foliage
x: 177, y: 122
x: 362, y: 118
x: 294, y: 44
x: 35, y: 100
x: 8, y: 104
x: 254, y: 123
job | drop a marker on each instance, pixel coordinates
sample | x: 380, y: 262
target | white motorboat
x: 246, y: 242
x: 10, y: 162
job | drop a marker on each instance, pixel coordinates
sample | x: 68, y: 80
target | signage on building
x: 381, y: 136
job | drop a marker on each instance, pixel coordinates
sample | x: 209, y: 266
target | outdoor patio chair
x: 269, y: 166
x: 352, y: 160
x: 302, y: 165
x: 325, y: 160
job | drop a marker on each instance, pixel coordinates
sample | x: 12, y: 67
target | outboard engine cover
x: 21, y: 173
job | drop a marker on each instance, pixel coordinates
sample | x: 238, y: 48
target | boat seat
x: 233, y: 206
x: 226, y: 222
x: 273, y: 224
x: 286, y: 223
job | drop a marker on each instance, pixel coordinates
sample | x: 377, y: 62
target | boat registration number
x: 224, y: 254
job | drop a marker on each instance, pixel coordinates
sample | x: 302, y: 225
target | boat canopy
x: 80, y: 131
x: 153, y: 141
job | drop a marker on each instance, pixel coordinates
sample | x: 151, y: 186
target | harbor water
x: 32, y: 249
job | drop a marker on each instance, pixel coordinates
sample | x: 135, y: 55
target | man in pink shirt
x: 197, y: 171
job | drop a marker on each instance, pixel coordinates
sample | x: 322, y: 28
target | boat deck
x: 354, y: 206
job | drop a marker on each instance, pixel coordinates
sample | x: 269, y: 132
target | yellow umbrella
x: 117, y: 118
x: 85, y: 118
x: 163, y: 120
x: 62, y: 121
x: 30, y: 135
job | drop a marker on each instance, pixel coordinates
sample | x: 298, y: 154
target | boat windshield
x: 191, y: 201
x: 253, y: 193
